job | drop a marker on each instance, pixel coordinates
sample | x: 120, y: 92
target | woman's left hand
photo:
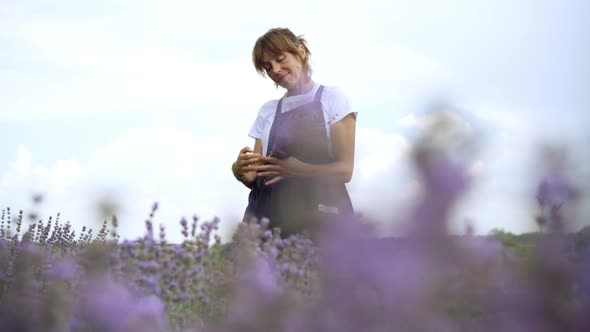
x: 280, y: 168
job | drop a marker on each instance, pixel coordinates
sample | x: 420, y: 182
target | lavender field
x: 55, y: 278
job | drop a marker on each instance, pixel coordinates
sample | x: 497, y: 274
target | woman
x: 304, y: 143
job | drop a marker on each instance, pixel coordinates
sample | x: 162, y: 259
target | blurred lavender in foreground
x: 556, y: 192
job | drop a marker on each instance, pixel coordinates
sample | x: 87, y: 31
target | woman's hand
x: 243, y: 166
x: 280, y: 168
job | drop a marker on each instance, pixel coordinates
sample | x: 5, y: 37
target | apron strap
x: 318, y: 94
x: 278, y: 112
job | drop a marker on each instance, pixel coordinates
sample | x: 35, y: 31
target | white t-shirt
x: 335, y: 106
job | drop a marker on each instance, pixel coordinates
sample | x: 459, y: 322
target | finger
x: 246, y: 149
x: 263, y: 174
x: 248, y: 163
x: 242, y: 163
x: 244, y: 166
x: 249, y: 156
x: 253, y: 163
x: 274, y: 180
x: 263, y: 168
x: 270, y: 160
x: 249, y: 168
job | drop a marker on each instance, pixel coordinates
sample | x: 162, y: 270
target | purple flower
x: 107, y: 306
x: 149, y: 266
x: 555, y: 191
x: 63, y: 270
x: 177, y: 250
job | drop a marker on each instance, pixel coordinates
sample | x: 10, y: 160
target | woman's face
x: 285, y: 69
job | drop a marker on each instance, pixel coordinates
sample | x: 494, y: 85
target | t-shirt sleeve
x: 337, y: 105
x: 257, y: 127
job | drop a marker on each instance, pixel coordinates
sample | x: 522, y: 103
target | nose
x: 276, y: 68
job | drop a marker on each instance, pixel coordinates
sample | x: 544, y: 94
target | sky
x: 126, y: 103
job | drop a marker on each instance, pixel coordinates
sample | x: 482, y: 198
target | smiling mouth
x: 282, y: 78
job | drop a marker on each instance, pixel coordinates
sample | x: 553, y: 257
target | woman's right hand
x: 243, y: 165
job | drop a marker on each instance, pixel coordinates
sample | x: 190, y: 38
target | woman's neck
x: 303, y: 87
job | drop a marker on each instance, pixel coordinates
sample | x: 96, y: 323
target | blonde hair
x: 276, y: 41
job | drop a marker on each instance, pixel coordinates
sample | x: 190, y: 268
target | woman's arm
x: 342, y: 135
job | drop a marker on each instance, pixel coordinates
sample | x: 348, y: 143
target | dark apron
x: 298, y: 204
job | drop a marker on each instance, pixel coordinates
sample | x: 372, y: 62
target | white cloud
x: 378, y: 153
x: 161, y: 163
x: 409, y: 121
x: 107, y: 65
x: 162, y: 151
x: 53, y: 180
x: 185, y: 171
x: 372, y: 72
x: 382, y: 181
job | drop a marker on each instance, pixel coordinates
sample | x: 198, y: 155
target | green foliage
x: 521, y: 245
